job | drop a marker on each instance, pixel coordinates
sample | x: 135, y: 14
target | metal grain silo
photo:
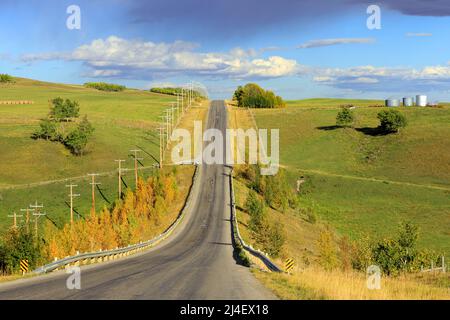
x: 421, y: 101
x: 392, y: 102
x: 408, y: 102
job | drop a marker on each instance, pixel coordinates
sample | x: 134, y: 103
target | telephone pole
x: 36, y: 207
x: 136, y: 159
x: 36, y: 217
x: 190, y: 93
x: 168, y: 123
x: 14, y: 216
x: 72, y: 195
x: 161, y: 146
x: 172, y: 118
x: 27, y: 217
x: 93, y: 184
x: 182, y: 99
x: 120, y: 176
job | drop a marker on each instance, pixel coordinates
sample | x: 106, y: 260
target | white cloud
x: 115, y: 56
x: 371, y: 78
x: 333, y: 42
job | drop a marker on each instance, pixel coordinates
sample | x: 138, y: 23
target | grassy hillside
x: 351, y: 200
x: 364, y: 183
x: 122, y: 120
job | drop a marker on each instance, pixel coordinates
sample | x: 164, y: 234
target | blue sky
x: 300, y: 49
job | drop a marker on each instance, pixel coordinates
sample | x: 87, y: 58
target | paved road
x: 195, y: 263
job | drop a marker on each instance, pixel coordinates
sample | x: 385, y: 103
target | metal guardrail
x: 264, y: 257
x: 101, y: 256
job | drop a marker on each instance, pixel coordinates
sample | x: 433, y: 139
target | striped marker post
x: 289, y: 265
x: 24, y: 266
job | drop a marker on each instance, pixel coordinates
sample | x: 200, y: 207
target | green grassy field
x: 122, y: 120
x: 365, y: 183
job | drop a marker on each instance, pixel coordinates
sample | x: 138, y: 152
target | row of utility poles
x: 33, y: 210
x: 172, y: 117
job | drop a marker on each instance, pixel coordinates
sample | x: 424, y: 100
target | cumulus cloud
x: 333, y: 42
x: 371, y: 78
x: 115, y: 56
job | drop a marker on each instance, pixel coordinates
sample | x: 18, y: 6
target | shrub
x: 16, y: 245
x: 47, y: 130
x: 102, y: 86
x: 275, y: 239
x: 77, y: 140
x: 6, y: 78
x: 311, y: 215
x: 345, y: 117
x: 64, y: 109
x: 256, y: 210
x: 326, y: 246
x: 391, y: 120
x: 393, y: 255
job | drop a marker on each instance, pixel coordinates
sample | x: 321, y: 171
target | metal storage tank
x: 392, y: 102
x: 421, y: 101
x: 408, y: 102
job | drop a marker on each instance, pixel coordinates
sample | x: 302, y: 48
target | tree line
x: 253, y: 96
x: 173, y: 91
x: 6, y: 78
x: 103, y: 86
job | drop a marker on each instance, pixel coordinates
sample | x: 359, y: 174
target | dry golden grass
x: 314, y: 283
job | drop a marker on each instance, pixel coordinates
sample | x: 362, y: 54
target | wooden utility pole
x: 120, y: 176
x: 14, y: 216
x: 168, y: 122
x: 172, y: 118
x: 182, y: 99
x: 161, y: 146
x: 72, y: 195
x: 27, y: 217
x: 136, y: 159
x: 93, y: 185
x: 36, y: 217
x: 36, y: 211
x: 190, y: 94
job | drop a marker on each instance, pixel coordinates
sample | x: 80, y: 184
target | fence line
x: 433, y: 268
